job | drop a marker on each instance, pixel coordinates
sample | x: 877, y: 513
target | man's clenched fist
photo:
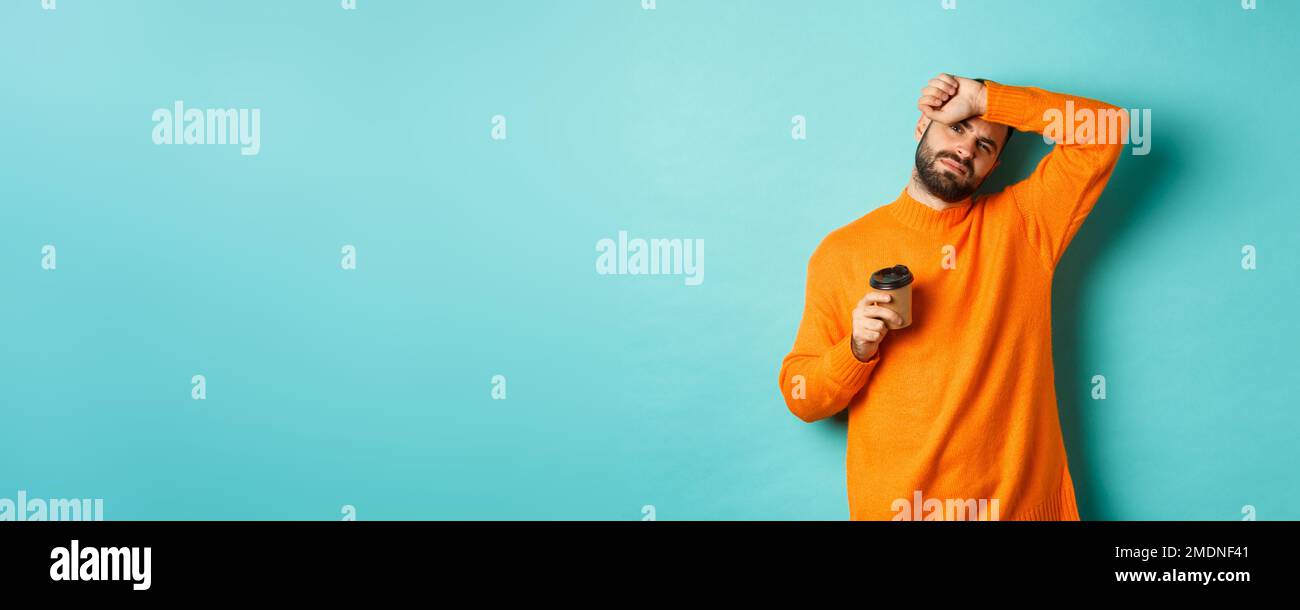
x: 952, y: 99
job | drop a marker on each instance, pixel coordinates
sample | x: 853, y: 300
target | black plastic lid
x: 891, y: 278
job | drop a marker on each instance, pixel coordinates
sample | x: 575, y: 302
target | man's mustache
x: 970, y: 168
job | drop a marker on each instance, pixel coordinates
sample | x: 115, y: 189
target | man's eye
x: 956, y: 128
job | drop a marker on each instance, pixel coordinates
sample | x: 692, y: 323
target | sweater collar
x: 922, y: 217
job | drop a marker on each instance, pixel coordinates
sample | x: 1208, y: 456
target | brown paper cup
x: 895, y: 281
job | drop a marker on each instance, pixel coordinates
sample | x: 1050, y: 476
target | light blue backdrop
x: 476, y: 257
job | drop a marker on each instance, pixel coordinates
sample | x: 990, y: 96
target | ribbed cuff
x: 1061, y: 506
x: 1009, y: 105
x: 845, y: 369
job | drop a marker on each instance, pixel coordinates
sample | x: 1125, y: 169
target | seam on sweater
x: 1024, y: 232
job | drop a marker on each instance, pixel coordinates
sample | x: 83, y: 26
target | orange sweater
x: 960, y: 406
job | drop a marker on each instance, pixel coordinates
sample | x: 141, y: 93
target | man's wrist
x: 853, y: 348
x: 980, y: 98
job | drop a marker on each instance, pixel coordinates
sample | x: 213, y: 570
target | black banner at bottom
x: 562, y: 558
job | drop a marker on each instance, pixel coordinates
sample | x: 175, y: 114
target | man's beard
x: 942, y: 182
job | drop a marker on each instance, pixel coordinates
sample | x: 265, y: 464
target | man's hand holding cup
x: 871, y: 322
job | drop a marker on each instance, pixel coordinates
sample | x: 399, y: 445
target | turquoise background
x: 476, y: 257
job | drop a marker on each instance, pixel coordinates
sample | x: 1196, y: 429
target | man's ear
x: 921, y: 124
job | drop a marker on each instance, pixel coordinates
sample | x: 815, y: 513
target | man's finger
x: 944, y: 86
x: 941, y: 93
x: 875, y: 297
x: 885, y: 313
x: 935, y: 88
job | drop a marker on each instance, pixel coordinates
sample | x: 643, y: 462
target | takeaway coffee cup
x: 896, y: 281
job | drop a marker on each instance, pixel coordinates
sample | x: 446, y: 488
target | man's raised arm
x: 1060, y: 194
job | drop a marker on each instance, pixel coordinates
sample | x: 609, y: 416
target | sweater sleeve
x: 820, y: 374
x: 1059, y: 195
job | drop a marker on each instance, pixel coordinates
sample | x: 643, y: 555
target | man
x: 958, y: 409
